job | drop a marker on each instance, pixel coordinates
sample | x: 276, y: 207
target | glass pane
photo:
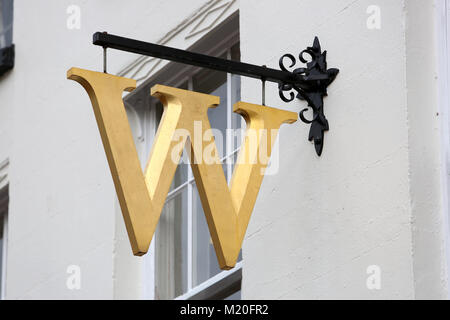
x: 215, y: 83
x: 237, y: 121
x: 234, y: 159
x: 171, y: 248
x: 181, y: 175
x: 205, y: 263
x: 235, y: 97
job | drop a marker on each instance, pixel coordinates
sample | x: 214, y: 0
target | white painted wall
x: 427, y: 145
x: 373, y: 198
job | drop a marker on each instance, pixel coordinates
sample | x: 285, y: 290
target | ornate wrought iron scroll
x: 311, y: 86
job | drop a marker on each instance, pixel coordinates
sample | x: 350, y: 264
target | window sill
x: 218, y: 287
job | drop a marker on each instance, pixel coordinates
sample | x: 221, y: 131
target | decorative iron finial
x: 311, y: 85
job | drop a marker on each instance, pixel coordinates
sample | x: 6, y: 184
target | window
x: 3, y: 238
x: 186, y: 263
x: 183, y: 225
x: 6, y: 45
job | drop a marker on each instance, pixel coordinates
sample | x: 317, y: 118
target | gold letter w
x: 142, y: 196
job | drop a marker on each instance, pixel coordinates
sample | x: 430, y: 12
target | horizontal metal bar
x: 196, y: 59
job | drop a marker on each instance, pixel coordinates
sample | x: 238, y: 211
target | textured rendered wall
x: 63, y: 207
x: 320, y: 222
x: 62, y: 196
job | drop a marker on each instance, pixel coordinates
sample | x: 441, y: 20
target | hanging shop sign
x: 185, y: 121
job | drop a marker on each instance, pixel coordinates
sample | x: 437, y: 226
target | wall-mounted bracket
x: 310, y: 83
x: 312, y: 87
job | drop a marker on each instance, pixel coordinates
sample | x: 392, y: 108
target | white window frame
x: 224, y: 276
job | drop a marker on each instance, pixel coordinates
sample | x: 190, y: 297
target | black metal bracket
x: 312, y: 87
x: 310, y: 83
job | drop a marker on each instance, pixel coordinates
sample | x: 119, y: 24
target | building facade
x: 368, y: 219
